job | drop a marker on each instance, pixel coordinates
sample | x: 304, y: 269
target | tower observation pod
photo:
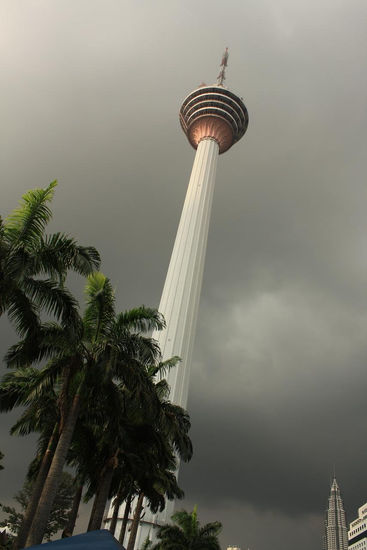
x: 213, y: 119
x: 213, y: 113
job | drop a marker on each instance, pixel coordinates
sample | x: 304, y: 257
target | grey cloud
x: 92, y: 97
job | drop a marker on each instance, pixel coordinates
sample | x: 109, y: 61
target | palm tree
x: 187, y: 534
x: 109, y: 357
x: 150, y: 422
x: 33, y: 266
x: 69, y: 527
x: 157, y: 484
x: 34, y: 389
x: 107, y: 345
x: 118, y: 500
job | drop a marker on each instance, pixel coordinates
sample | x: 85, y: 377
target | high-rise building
x: 213, y: 119
x: 335, y: 522
x: 357, y: 534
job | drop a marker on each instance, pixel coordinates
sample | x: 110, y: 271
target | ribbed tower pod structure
x: 336, y: 532
x: 213, y: 119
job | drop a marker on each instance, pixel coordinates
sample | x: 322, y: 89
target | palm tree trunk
x: 135, y: 523
x: 62, y: 401
x: 116, y: 506
x: 102, y: 495
x: 54, y: 476
x: 92, y: 510
x: 126, y: 519
x: 37, y: 490
x: 69, y: 528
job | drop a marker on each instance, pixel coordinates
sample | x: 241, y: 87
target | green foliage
x: 28, y: 221
x: 33, y: 266
x: 187, y: 534
x: 124, y: 416
x: 59, y: 513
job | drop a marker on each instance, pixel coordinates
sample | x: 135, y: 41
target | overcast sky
x: 90, y: 95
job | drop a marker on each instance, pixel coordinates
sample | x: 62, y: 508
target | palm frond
x: 162, y: 368
x: 210, y: 529
x: 21, y: 386
x: 143, y: 349
x: 47, y: 341
x: 58, y: 253
x: 86, y: 260
x: 54, y: 300
x: 16, y: 264
x: 141, y: 319
x: 27, y: 222
x: 162, y: 389
x: 175, y: 423
x: 100, y: 308
x: 36, y: 418
x: 23, y: 312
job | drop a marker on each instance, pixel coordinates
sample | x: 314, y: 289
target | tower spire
x: 222, y: 73
x: 335, y: 522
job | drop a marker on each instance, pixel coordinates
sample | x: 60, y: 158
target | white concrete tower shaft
x: 180, y: 298
x: 181, y: 292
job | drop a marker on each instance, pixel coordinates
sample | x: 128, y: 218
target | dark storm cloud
x: 278, y: 380
x: 276, y: 416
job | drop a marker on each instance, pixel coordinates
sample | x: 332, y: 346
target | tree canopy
x: 91, y: 384
x: 59, y: 513
x: 186, y: 533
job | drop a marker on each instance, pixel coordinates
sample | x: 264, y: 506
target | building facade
x: 335, y: 523
x: 357, y: 534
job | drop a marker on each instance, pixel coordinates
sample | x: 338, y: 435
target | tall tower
x: 213, y: 119
x: 335, y: 524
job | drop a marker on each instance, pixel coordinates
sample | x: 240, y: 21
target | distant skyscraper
x: 357, y: 534
x: 335, y: 523
x: 213, y: 119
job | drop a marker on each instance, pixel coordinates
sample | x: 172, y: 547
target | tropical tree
x: 35, y: 390
x: 41, y: 394
x: 187, y: 534
x: 102, y: 376
x: 106, y: 344
x: 156, y: 486
x: 59, y: 512
x: 141, y: 439
x: 33, y: 266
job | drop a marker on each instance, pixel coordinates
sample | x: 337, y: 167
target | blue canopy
x: 94, y: 540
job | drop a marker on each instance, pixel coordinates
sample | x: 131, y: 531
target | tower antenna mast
x: 222, y: 73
